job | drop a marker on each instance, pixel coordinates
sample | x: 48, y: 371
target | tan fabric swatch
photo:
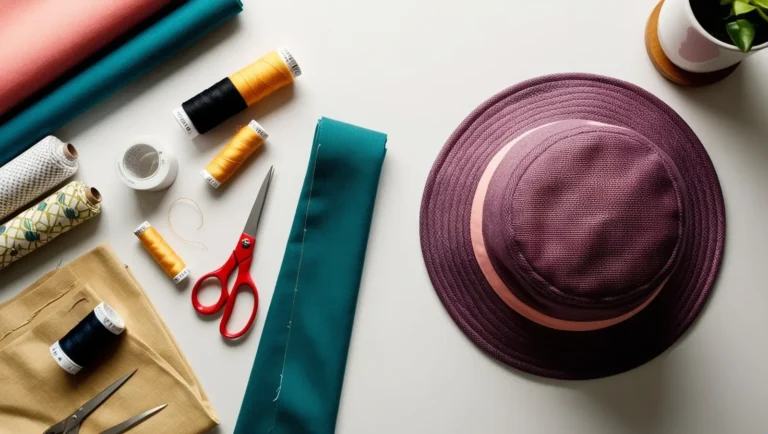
x: 37, y: 393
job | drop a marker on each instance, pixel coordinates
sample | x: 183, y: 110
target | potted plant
x: 711, y: 35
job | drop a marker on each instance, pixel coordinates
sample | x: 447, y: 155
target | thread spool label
x: 143, y: 227
x: 258, y: 129
x: 63, y: 360
x: 211, y: 180
x: 181, y: 276
x: 185, y: 122
x: 109, y: 318
x: 291, y: 62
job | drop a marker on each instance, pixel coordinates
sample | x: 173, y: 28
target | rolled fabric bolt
x: 66, y: 208
x: 247, y: 141
x: 36, y: 171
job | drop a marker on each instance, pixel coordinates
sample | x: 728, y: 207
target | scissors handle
x: 240, y: 260
x: 222, y: 275
x: 243, y: 280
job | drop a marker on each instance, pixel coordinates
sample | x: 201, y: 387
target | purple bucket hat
x: 573, y: 226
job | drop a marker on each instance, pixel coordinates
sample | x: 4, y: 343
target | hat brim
x: 460, y: 283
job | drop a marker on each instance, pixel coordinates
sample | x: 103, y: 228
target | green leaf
x: 740, y: 7
x: 32, y: 236
x: 61, y: 198
x: 762, y: 14
x: 742, y: 33
x: 41, y: 206
x: 71, y: 213
x: 762, y: 3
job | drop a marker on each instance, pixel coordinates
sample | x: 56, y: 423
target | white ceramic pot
x: 689, y: 46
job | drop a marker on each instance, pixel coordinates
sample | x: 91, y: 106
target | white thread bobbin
x: 145, y: 164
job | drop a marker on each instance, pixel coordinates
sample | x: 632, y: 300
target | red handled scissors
x: 241, y: 261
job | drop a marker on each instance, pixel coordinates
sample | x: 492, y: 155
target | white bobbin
x: 145, y: 164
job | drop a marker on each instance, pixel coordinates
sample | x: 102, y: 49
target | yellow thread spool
x: 273, y: 71
x: 247, y: 141
x: 161, y: 252
x: 230, y: 96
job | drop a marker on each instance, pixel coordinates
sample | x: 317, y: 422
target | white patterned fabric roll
x: 42, y: 167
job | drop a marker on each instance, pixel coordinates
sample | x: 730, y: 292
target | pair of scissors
x: 71, y: 425
x: 240, y: 260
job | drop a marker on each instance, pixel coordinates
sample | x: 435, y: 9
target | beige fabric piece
x: 35, y: 392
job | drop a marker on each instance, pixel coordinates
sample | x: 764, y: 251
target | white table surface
x: 415, y: 69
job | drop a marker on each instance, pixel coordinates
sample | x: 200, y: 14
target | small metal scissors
x: 71, y: 425
x: 240, y: 260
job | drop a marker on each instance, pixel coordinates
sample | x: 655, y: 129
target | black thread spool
x: 89, y: 339
x: 212, y: 106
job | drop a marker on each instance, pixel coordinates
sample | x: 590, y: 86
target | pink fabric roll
x: 42, y: 39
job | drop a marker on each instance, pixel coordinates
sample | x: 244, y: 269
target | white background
x: 415, y: 69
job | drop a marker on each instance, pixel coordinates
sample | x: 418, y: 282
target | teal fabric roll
x: 180, y: 27
x: 296, y: 380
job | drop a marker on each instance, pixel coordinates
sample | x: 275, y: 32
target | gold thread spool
x: 162, y: 252
x: 271, y: 72
x: 247, y: 141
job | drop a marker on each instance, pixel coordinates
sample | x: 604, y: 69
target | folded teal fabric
x: 180, y: 27
x: 295, y: 383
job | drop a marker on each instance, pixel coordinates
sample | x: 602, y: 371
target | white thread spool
x: 146, y: 165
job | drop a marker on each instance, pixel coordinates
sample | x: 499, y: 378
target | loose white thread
x: 296, y: 288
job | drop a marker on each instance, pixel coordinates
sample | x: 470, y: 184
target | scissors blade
x: 97, y: 400
x: 132, y: 422
x: 253, y: 220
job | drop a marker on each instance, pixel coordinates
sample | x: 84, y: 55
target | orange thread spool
x: 247, y: 141
x: 264, y: 76
x: 226, y: 98
x: 162, y: 252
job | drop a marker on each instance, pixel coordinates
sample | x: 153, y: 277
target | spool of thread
x: 145, y: 164
x: 162, y: 252
x: 247, y: 141
x: 237, y: 92
x: 39, y: 169
x: 89, y: 339
x: 66, y: 208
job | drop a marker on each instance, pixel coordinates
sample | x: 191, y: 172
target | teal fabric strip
x: 138, y: 55
x: 295, y: 383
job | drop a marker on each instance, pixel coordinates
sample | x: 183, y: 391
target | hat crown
x: 588, y: 220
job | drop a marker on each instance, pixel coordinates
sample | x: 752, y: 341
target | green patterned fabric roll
x: 41, y: 223
x: 295, y: 384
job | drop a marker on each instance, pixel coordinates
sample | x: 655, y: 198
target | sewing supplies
x: 49, y: 307
x: 72, y: 423
x: 126, y: 60
x: 162, y: 252
x: 296, y: 379
x: 247, y: 141
x: 145, y: 164
x: 66, y: 208
x: 89, y: 339
x: 237, y: 92
x: 240, y: 260
x: 36, y: 171
x: 202, y: 220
